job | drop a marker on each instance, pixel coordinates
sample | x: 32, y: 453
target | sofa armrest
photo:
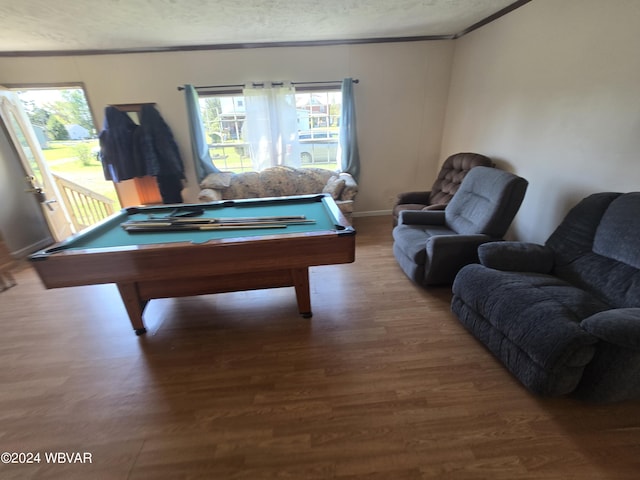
x: 620, y: 326
x: 209, y: 195
x: 217, y: 181
x: 419, y: 198
x: 449, y: 253
x: 436, y: 206
x: 421, y: 217
x: 450, y: 245
x: 516, y: 257
x: 350, y: 189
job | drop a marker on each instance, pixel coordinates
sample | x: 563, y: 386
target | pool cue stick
x: 158, y: 223
x: 174, y: 228
x: 181, y: 220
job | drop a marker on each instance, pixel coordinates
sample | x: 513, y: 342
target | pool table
x: 160, y: 264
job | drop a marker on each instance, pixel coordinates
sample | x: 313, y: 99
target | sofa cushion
x: 312, y: 179
x: 209, y: 195
x: 334, y: 187
x: 516, y: 257
x: 411, y: 240
x: 217, y: 180
x: 278, y: 181
x: 246, y: 185
x: 620, y: 326
x: 350, y: 186
x: 539, y: 313
x: 619, y: 230
x: 613, y: 282
x: 473, y: 210
x: 574, y: 236
x: 593, y: 244
x: 453, y: 171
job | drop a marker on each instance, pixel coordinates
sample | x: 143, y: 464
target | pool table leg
x: 134, y: 305
x: 303, y: 295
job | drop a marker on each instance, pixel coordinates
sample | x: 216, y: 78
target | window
x: 318, y: 123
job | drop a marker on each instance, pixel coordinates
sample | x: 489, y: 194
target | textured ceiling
x: 94, y: 25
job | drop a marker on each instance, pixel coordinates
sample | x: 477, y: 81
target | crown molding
x: 238, y: 46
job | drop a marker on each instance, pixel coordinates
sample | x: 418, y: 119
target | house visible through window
x: 318, y: 125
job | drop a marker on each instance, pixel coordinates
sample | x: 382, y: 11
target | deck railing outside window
x: 85, y: 206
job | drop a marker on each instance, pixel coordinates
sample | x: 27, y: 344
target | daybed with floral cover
x: 281, y: 181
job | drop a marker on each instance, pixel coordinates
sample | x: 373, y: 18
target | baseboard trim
x: 23, y: 252
x: 371, y: 213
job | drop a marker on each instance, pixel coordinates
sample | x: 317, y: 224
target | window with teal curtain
x: 348, y: 153
x: 199, y: 145
x: 320, y: 128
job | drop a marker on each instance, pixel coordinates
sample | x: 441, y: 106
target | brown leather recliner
x: 453, y: 171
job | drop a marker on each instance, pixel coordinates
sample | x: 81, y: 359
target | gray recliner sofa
x: 564, y: 318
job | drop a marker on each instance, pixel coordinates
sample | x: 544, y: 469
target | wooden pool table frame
x: 145, y: 272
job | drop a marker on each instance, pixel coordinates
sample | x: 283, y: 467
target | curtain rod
x: 261, y: 84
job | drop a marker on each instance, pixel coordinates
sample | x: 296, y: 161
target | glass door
x: 38, y: 180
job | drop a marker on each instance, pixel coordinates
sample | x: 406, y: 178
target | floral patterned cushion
x: 334, y: 187
x: 217, y: 180
x: 350, y: 187
x: 313, y: 180
x: 278, y: 181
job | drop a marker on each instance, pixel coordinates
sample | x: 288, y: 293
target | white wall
x: 401, y: 97
x: 552, y: 92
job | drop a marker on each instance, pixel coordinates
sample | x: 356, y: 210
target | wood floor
x: 382, y: 383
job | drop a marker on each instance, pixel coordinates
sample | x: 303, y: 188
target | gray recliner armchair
x: 432, y: 246
x: 564, y: 317
x: 451, y: 175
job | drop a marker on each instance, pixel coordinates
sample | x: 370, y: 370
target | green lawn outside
x: 64, y: 159
x: 65, y: 149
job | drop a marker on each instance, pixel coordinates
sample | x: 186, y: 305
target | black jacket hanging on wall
x: 128, y: 150
x: 159, y: 152
x: 117, y: 146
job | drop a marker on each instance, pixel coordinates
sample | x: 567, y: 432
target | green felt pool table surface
x: 110, y: 233
x: 164, y: 264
